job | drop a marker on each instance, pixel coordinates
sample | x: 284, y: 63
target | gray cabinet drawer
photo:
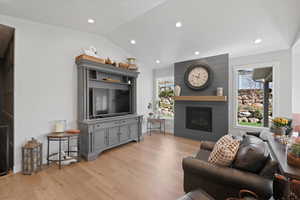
x: 107, y: 124
x: 129, y: 121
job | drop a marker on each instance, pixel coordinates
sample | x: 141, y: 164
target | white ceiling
x: 209, y: 26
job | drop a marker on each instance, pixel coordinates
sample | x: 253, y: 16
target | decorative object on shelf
x: 219, y: 91
x: 132, y: 64
x: 123, y: 65
x: 90, y: 58
x: 91, y: 51
x: 111, y: 80
x: 279, y: 126
x: 198, y: 76
x: 108, y: 61
x: 60, y: 126
x: 32, y: 157
x: 177, y: 90
x: 293, y: 155
x: 115, y: 64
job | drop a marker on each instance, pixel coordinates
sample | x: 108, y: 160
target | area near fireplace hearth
x: 201, y: 115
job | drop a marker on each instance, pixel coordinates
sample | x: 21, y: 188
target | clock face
x: 198, y: 76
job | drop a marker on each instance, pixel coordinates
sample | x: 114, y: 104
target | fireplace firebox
x: 199, y: 118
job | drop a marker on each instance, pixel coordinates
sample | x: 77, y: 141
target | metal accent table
x: 152, y: 121
x: 60, y: 138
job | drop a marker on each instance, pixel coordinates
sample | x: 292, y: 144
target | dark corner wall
x: 220, y: 67
x: 7, y: 94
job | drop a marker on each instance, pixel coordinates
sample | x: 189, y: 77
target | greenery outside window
x: 254, y: 96
x: 164, y: 97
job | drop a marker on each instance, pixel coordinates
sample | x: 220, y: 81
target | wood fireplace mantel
x: 201, y: 98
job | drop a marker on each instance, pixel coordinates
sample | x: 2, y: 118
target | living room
x: 122, y: 99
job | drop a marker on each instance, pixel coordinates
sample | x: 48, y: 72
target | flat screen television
x: 109, y: 102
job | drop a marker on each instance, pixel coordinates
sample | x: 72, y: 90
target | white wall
x: 145, y: 92
x: 46, y: 77
x: 163, y: 72
x: 296, y: 75
x: 284, y: 86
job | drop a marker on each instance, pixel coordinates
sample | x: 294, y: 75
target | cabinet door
x: 124, y: 133
x: 100, y: 139
x: 113, y: 136
x: 133, y: 129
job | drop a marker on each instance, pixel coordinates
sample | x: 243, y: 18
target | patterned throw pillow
x: 224, y: 151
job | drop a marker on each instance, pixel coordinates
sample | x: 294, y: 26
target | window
x: 254, y: 96
x: 164, y: 96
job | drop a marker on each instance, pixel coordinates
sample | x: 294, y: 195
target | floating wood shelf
x: 201, y: 98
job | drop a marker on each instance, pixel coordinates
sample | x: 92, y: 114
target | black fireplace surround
x: 199, y: 118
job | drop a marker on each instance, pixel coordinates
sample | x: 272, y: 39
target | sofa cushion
x: 203, y: 155
x: 252, y: 154
x: 224, y: 151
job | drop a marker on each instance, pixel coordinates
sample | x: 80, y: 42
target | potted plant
x: 279, y: 126
x: 293, y: 155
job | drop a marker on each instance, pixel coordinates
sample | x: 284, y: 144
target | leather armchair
x: 221, y: 182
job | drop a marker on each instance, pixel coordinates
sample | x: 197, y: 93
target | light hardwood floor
x: 149, y: 170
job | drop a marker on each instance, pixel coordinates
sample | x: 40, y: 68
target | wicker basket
x: 293, y: 160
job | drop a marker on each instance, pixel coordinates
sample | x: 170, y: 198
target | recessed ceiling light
x: 157, y: 61
x: 178, y: 24
x: 132, y: 41
x: 91, y: 21
x: 257, y: 41
x: 197, y: 53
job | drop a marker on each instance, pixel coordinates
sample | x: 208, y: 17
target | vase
x: 219, y: 91
x: 278, y: 130
x: 177, y: 90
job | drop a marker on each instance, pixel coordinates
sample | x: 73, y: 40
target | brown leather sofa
x: 223, y: 182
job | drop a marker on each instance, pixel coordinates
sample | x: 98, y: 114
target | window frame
x: 167, y: 78
x: 235, y: 84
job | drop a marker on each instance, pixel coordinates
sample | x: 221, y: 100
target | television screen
x: 110, y: 102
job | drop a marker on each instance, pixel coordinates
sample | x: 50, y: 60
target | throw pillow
x: 224, y: 151
x: 252, y: 155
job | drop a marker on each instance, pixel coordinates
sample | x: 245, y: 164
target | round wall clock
x: 198, y: 76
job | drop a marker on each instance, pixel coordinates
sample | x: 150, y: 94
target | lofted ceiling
x: 209, y: 26
x: 6, y: 33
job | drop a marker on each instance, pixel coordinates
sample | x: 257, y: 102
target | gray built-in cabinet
x: 102, y: 131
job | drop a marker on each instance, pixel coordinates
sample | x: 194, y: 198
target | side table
x: 152, y: 121
x: 63, y: 138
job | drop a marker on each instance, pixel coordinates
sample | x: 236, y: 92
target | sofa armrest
x: 207, y: 145
x: 225, y: 177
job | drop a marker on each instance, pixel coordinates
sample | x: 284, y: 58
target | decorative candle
x: 219, y: 91
x: 60, y: 126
